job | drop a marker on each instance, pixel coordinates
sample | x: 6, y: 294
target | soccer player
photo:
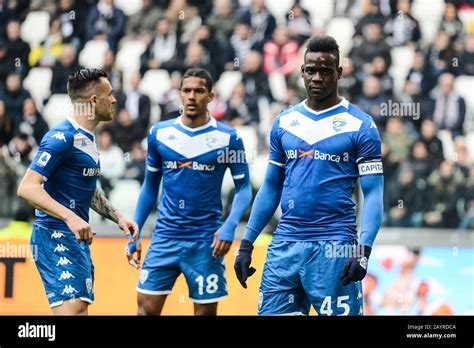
x: 61, y: 185
x: 318, y: 150
x: 191, y: 154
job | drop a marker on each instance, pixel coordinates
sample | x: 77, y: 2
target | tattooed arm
x: 102, y: 206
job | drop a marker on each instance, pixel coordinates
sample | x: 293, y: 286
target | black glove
x: 356, y: 267
x: 242, y: 262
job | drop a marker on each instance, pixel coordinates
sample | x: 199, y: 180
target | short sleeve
x: 369, y: 149
x: 237, y: 161
x: 54, y: 149
x: 153, y: 159
x: 277, y: 155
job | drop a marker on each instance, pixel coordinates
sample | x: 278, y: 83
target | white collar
x: 344, y: 103
x: 211, y: 123
x: 78, y: 126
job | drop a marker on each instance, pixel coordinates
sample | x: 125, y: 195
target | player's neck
x: 198, y: 121
x: 86, y: 123
x: 318, y: 105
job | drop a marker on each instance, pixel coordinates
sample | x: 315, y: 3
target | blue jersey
x: 68, y: 159
x: 193, y: 162
x: 323, y: 154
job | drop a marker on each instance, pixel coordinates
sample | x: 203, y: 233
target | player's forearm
x: 242, y: 199
x: 266, y: 202
x: 102, y: 206
x: 372, y: 211
x: 147, y: 198
x: 39, y: 199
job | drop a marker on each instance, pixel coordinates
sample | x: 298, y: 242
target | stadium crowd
x: 392, y: 59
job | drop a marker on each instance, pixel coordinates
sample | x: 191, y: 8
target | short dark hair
x: 201, y: 73
x: 82, y: 79
x: 325, y: 44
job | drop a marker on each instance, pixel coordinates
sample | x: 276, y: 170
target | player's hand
x: 356, y: 267
x: 129, y: 227
x: 221, y: 247
x: 242, y: 262
x: 130, y: 250
x: 81, y: 229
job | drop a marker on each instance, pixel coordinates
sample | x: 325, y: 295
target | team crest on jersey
x: 338, y: 123
x: 143, y: 276
x: 89, y: 285
x: 211, y: 141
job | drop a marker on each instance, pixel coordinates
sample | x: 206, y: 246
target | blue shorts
x: 167, y: 258
x: 65, y: 266
x: 300, y: 274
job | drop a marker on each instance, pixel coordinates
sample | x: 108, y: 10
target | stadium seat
x: 35, y: 27
x: 278, y: 86
x: 402, y: 59
x: 467, y: 18
x: 428, y: 13
x: 38, y: 83
x: 464, y: 86
x: 227, y: 82
x: 129, y: 7
x: 155, y: 83
x: 279, y: 9
x: 448, y: 143
x: 92, y: 55
x: 321, y: 11
x: 58, y: 108
x: 342, y: 29
x: 124, y: 196
x: 128, y: 56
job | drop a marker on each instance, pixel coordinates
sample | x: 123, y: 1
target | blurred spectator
x: 242, y: 108
x: 17, y: 49
x: 349, y: 85
x: 241, y: 44
x: 261, y: 21
x: 298, y: 22
x: 433, y: 144
x: 374, y: 16
x: 135, y: 167
x: 66, y: 65
x: 222, y: 21
x: 137, y: 104
x: 14, y: 95
x: 171, y: 101
x: 443, y: 193
x: 420, y: 160
x: 212, y: 52
x: 184, y: 19
x: 450, y: 108
x: 125, y: 131
x: 72, y: 17
x: 111, y: 159
x: 371, y: 100
x: 11, y: 10
x: 218, y: 107
x: 105, y: 22
x: 280, y: 54
x: 450, y: 23
x: 422, y: 73
x: 467, y: 221
x: 372, y: 45
x: 162, y: 48
x: 461, y: 156
x: 114, y: 74
x: 404, y: 200
x: 466, y: 60
x: 253, y: 76
x: 402, y: 27
x: 378, y: 68
x: 6, y: 127
x: 141, y: 25
x: 6, y: 65
x: 32, y: 122
x: 441, y: 53
x: 49, y: 50
x: 411, y: 94
x: 22, y: 149
x: 397, y: 140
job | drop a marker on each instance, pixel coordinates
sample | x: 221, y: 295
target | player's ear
x: 211, y: 97
x: 339, y: 72
x: 302, y: 70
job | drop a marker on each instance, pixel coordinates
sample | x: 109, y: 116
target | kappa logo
x: 44, y: 159
x: 66, y: 275
x: 60, y: 136
x: 68, y: 289
x: 63, y: 261
x: 294, y: 123
x: 89, y: 285
x: 83, y: 143
x: 57, y: 235
x: 171, y: 137
x: 60, y: 248
x: 143, y: 276
x: 338, y: 123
